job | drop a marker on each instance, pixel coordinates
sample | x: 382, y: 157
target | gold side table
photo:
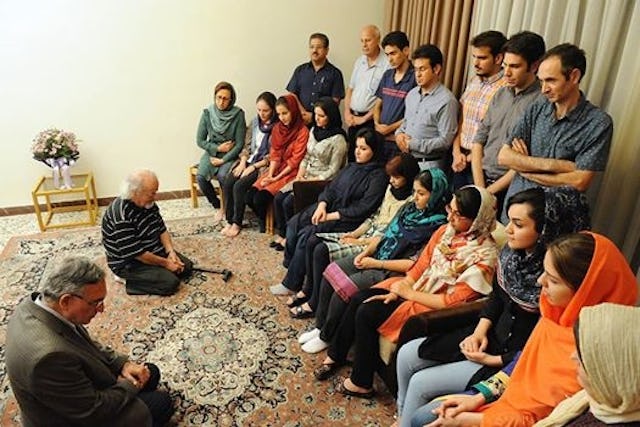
x: 66, y: 200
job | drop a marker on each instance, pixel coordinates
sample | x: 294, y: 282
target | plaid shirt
x: 475, y: 102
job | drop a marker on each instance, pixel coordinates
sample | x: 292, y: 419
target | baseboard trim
x: 102, y: 201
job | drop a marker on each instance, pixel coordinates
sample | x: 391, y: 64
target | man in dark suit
x: 61, y: 377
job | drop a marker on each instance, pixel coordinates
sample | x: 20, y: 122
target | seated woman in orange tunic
x: 580, y: 270
x: 457, y: 265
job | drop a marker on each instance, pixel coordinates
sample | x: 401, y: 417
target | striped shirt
x: 475, y: 102
x: 129, y: 230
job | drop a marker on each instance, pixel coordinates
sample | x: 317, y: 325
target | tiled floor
x: 17, y: 225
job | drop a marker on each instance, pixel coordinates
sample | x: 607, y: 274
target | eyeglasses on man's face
x: 97, y: 304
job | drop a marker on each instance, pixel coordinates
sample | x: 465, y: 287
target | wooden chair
x: 194, y: 190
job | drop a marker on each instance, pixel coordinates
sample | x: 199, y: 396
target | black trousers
x: 234, y: 193
x: 301, y: 242
x: 258, y: 201
x: 318, y: 262
x: 359, y: 326
x: 145, y: 279
x: 158, y: 402
x: 283, y: 209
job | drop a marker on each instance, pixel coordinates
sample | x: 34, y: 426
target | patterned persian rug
x: 227, y: 351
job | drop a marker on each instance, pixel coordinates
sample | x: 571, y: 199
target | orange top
x: 545, y: 374
x: 457, y: 293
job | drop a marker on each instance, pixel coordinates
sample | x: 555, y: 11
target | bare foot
x: 396, y: 423
x: 292, y: 298
x: 218, y: 216
x: 225, y: 230
x: 234, y: 230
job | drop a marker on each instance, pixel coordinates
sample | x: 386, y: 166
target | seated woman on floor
x: 580, y: 270
x: 446, y: 363
x: 354, y: 194
x: 221, y: 135
x: 288, y: 146
x: 391, y: 254
x: 402, y: 171
x: 253, y: 160
x: 456, y: 266
x: 610, y: 394
x: 326, y: 155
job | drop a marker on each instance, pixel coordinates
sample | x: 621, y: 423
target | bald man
x: 138, y: 245
x: 360, y: 97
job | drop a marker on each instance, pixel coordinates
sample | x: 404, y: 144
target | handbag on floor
x: 340, y: 281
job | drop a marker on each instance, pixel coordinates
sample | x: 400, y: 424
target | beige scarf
x: 456, y: 253
x: 609, y: 343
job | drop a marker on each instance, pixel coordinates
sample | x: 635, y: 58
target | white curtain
x: 609, y: 32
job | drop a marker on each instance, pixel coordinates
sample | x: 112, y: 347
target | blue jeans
x: 420, y: 380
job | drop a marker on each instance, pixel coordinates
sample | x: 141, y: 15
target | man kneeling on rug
x: 138, y: 245
x: 59, y: 375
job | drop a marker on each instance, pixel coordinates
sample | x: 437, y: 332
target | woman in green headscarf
x: 221, y: 135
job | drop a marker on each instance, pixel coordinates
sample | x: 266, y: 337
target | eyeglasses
x: 95, y: 304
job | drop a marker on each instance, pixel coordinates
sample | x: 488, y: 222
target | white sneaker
x: 309, y: 335
x: 315, y: 345
x: 280, y: 289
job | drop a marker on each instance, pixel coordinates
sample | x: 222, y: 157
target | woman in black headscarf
x: 326, y: 155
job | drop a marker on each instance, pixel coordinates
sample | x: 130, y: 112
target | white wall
x: 130, y: 78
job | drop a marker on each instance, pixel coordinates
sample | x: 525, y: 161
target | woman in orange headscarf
x: 580, y: 270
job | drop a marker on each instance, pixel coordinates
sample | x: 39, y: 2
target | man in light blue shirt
x: 431, y: 112
x: 360, y: 96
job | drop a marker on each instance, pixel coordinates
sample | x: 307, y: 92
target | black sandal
x: 296, y: 301
x: 326, y: 371
x: 298, y: 312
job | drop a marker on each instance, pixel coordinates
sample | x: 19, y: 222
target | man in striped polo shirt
x: 138, y: 245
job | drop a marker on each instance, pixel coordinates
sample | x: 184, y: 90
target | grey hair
x: 134, y: 182
x: 70, y: 277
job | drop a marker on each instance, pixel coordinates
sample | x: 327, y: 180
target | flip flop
x: 298, y: 312
x: 340, y: 388
x: 326, y: 371
x: 296, y: 301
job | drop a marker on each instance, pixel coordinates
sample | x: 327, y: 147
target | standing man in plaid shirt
x: 486, y: 50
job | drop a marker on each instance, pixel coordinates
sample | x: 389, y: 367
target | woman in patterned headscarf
x: 430, y: 367
x: 457, y: 265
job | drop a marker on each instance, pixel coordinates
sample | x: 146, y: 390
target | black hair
x: 396, y: 38
x: 269, y: 98
x: 526, y: 44
x: 322, y: 37
x: 571, y: 58
x: 373, y: 139
x: 430, y: 52
x: 468, y: 200
x: 492, y: 39
x: 426, y: 180
x: 534, y: 197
